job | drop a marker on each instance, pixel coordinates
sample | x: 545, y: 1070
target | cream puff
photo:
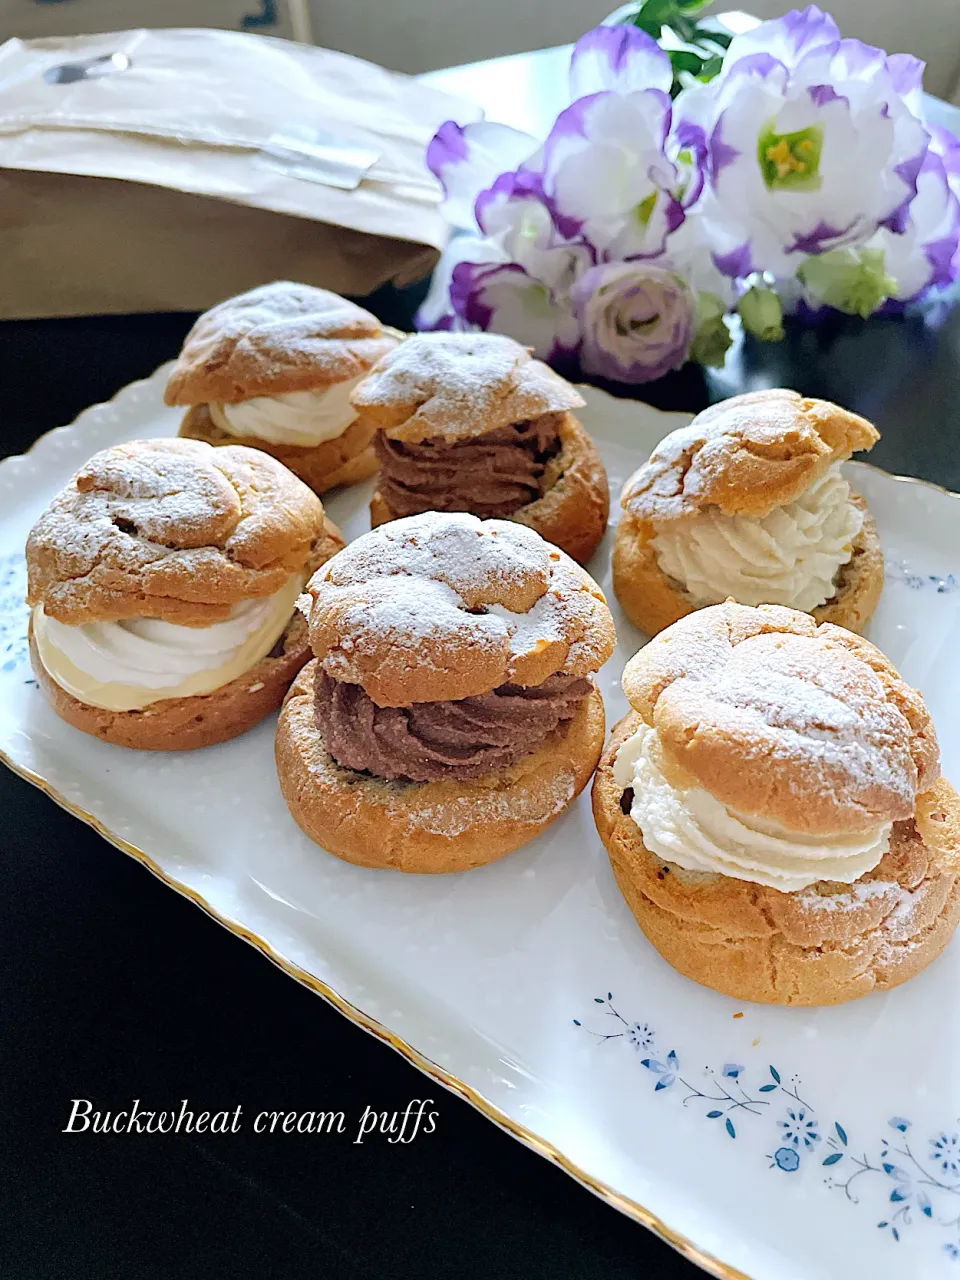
x: 470, y: 422
x: 164, y: 581
x: 774, y: 811
x: 450, y: 714
x: 273, y: 369
x: 749, y: 502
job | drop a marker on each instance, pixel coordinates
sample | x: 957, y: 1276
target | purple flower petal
x: 721, y: 154
x: 821, y: 94
x: 468, y: 159
x: 737, y: 264
x: 906, y: 73
x: 808, y: 28
x: 621, y: 58
x: 822, y: 237
x: 941, y: 255
x: 505, y: 299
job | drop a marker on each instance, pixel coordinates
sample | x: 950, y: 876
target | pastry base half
x: 573, y: 512
x: 182, y: 724
x: 652, y: 601
x: 824, y: 945
x: 346, y: 460
x: 428, y: 826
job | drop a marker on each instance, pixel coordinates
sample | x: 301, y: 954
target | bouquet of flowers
x: 790, y: 173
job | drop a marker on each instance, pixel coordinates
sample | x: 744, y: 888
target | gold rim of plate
x: 632, y: 1208
x: 447, y: 1079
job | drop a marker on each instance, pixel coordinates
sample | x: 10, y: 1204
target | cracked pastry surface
x: 470, y: 422
x: 163, y: 581
x: 450, y: 714
x: 774, y: 812
x: 274, y: 368
x: 748, y: 502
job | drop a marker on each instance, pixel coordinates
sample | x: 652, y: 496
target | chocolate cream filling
x: 491, y: 475
x: 430, y: 741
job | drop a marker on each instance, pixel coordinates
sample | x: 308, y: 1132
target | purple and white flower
x: 801, y: 178
x: 810, y: 141
x: 636, y: 320
x: 607, y: 175
x: 924, y: 254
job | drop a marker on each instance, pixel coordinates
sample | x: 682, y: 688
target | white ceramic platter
x: 774, y: 1143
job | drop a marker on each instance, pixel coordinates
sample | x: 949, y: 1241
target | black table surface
x: 114, y: 988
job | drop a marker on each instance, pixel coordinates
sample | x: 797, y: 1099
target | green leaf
x: 659, y: 10
x: 711, y: 68
x: 682, y: 60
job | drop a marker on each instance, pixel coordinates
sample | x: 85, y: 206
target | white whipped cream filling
x: 789, y: 557
x: 127, y: 665
x: 693, y: 830
x: 302, y: 418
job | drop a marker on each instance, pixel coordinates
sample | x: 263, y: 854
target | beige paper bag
x: 166, y: 170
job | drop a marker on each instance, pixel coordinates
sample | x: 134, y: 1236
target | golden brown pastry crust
x: 573, y: 512
x: 745, y: 456
x: 180, y: 724
x: 457, y: 385
x: 432, y: 826
x: 653, y: 601
x: 819, y: 946
x: 747, y: 703
x: 170, y: 529
x: 279, y: 338
x: 410, y: 610
x: 348, y: 459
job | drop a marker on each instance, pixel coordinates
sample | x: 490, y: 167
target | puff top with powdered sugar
x: 170, y: 529
x: 274, y: 340
x: 440, y: 606
x: 457, y: 385
x: 745, y: 456
x: 808, y: 727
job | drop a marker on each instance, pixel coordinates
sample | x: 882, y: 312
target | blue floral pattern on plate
x: 915, y: 1183
x: 14, y: 613
x: 900, y: 571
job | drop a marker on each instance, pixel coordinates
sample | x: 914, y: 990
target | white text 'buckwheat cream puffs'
x: 273, y: 369
x: 774, y: 811
x: 471, y: 422
x: 748, y: 502
x: 164, y: 581
x: 450, y: 714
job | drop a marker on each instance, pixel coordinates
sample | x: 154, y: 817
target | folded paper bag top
x: 164, y: 170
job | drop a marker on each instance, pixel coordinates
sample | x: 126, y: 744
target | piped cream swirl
x: 127, y: 665
x: 692, y: 829
x: 300, y: 418
x: 790, y: 556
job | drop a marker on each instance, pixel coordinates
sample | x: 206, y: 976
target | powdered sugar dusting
x: 283, y: 333
x: 164, y: 520
x: 788, y: 721
x: 482, y: 561
x: 462, y: 384
x: 461, y: 813
x: 447, y: 589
